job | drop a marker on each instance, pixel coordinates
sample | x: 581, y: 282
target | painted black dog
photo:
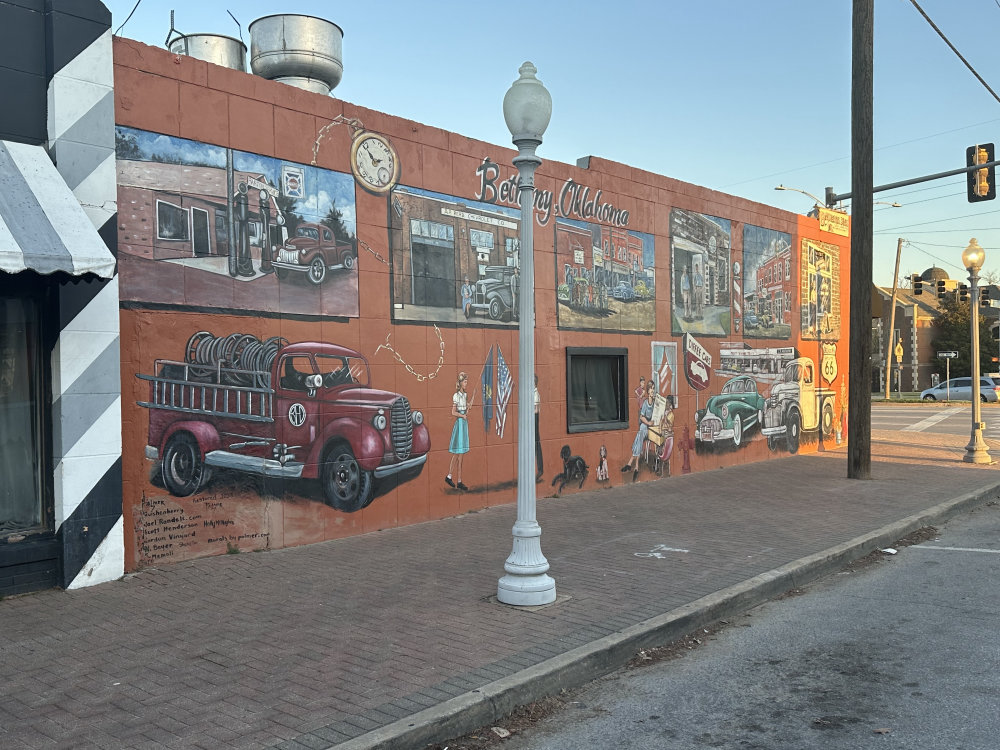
x: 574, y: 467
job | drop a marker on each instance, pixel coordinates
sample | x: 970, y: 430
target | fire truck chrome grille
x: 402, y: 428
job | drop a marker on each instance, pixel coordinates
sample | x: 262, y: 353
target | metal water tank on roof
x: 214, y: 48
x: 301, y: 51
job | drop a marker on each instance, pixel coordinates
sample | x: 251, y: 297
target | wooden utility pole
x: 892, y: 322
x: 859, y: 397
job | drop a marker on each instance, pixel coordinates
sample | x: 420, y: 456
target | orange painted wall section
x: 397, y: 302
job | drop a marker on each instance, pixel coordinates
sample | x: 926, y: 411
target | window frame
x: 580, y: 353
x: 187, y: 221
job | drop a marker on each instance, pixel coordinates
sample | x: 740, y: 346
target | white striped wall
x: 86, y: 377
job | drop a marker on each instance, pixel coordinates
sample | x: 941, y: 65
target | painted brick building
x: 293, y: 339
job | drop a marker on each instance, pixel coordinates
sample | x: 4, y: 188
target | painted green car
x: 731, y: 414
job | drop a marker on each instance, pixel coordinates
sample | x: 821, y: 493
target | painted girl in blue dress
x: 459, y: 445
x: 645, y: 421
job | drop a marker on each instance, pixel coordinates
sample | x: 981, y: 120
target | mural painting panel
x: 454, y: 260
x: 700, y: 249
x: 206, y: 227
x: 820, y: 291
x: 768, y: 285
x: 304, y: 419
x: 605, y: 277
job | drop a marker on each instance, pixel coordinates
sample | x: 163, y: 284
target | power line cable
x: 954, y: 49
x: 980, y: 230
x: 931, y: 255
x: 127, y: 19
x: 939, y: 221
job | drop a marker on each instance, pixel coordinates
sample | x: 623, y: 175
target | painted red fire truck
x: 291, y: 411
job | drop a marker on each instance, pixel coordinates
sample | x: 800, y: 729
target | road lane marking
x: 924, y: 424
x: 958, y: 549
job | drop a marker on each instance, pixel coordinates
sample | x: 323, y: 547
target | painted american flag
x: 505, y: 386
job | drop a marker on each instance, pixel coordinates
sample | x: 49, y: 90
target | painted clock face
x: 374, y: 162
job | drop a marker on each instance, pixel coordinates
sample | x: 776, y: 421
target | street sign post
x: 947, y: 357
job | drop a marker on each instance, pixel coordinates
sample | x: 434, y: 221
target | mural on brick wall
x: 289, y: 427
x: 454, y: 260
x: 768, y: 286
x: 819, y: 290
x: 206, y: 227
x: 700, y: 247
x: 605, y: 277
x: 235, y: 404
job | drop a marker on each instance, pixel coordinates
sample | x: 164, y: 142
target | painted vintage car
x: 623, y: 292
x: 494, y: 294
x: 313, y: 251
x: 729, y: 415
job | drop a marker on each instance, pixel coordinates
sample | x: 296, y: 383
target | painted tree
x: 287, y: 206
x: 335, y: 220
x: 126, y: 145
x: 952, y: 332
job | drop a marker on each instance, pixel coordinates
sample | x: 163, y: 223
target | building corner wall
x: 86, y: 382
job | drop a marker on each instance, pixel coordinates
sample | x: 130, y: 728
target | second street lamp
x: 976, y: 451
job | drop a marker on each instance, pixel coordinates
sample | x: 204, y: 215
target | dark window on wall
x: 596, y: 389
x: 171, y: 222
x: 22, y: 413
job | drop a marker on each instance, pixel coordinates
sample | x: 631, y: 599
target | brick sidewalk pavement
x: 315, y: 646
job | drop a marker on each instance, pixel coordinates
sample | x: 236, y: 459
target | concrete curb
x: 495, y: 700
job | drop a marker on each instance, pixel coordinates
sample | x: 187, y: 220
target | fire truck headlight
x: 379, y: 421
x: 418, y: 417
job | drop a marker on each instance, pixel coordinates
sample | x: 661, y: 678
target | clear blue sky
x: 734, y: 95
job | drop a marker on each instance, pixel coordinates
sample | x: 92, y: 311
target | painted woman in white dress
x: 459, y: 445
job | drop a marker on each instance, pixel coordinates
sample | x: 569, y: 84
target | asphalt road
x: 953, y: 418
x: 899, y: 653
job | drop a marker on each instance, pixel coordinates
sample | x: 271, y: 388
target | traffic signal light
x: 917, y: 284
x: 982, y: 182
x: 963, y: 292
x: 984, y: 297
x: 940, y: 289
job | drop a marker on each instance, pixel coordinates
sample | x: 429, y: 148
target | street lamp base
x: 977, y: 452
x: 526, y: 590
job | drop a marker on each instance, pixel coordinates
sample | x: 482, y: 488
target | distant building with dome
x: 913, y: 324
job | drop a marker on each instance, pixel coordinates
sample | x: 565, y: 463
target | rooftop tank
x: 302, y: 51
x: 214, y: 48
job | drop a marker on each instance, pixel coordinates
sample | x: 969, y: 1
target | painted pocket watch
x: 374, y: 162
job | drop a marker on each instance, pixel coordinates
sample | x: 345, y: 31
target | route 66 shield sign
x: 828, y: 366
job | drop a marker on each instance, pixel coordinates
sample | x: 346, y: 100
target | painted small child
x: 602, y: 465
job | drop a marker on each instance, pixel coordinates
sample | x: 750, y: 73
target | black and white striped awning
x: 42, y: 225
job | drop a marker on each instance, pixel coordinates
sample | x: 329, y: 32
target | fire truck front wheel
x: 183, y: 471
x: 346, y: 486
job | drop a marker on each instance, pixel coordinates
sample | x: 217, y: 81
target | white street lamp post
x: 527, y: 107
x: 976, y: 451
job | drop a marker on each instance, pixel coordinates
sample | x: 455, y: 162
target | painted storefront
x: 319, y: 310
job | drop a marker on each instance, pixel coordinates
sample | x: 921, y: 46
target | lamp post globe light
x: 527, y: 107
x: 976, y: 451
